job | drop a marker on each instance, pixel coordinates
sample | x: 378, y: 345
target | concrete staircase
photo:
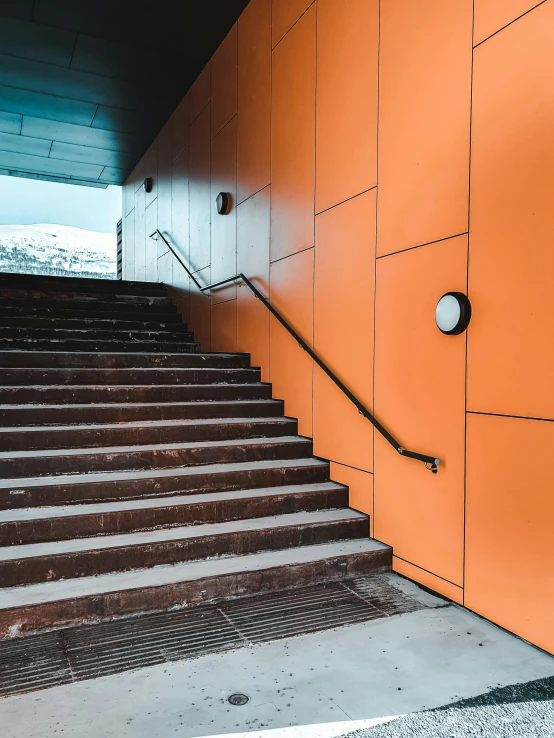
x: 137, y: 473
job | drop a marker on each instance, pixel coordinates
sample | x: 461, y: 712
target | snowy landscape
x: 57, y: 250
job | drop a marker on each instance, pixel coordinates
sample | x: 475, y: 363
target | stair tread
x: 163, y: 535
x: 64, y: 589
x: 69, y: 479
x: 101, y: 450
x: 147, y: 423
x: 137, y: 404
x: 49, y: 513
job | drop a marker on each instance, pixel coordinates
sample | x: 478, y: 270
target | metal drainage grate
x: 89, y: 651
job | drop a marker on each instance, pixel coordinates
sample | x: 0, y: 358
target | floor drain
x: 238, y: 699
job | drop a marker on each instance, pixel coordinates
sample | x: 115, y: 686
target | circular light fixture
x: 148, y: 184
x: 453, y: 313
x: 238, y: 699
x: 223, y: 203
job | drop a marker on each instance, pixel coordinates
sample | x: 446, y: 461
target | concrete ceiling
x: 85, y: 85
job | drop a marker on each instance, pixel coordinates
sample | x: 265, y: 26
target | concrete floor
x: 317, y: 686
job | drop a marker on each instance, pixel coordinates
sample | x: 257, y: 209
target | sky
x: 29, y: 201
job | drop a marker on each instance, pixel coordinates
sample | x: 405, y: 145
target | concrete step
x: 114, y: 412
x: 66, y: 602
x: 78, y: 284
x: 23, y: 344
x: 132, y: 485
x: 41, y: 562
x: 78, y: 307
x: 43, y: 524
x: 110, y: 334
x: 37, y: 322
x: 146, y: 432
x: 10, y: 376
x: 114, y: 295
x: 20, y: 464
x: 78, y: 311
x: 78, y: 360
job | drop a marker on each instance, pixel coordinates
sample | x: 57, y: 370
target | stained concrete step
x: 111, y: 334
x: 112, y: 412
x: 86, y: 346
x: 76, y: 307
x: 10, y: 376
x: 49, y: 323
x: 78, y: 284
x: 65, y: 602
x: 159, y: 297
x: 41, y: 562
x: 146, y: 432
x: 18, y: 464
x: 77, y: 360
x: 40, y: 525
x: 79, y: 311
x: 132, y: 485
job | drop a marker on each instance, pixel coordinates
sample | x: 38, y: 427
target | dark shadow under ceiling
x: 85, y: 85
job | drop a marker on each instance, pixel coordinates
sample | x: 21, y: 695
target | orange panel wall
x: 293, y: 139
x: 424, y: 118
x: 343, y: 329
x: 380, y: 153
x: 347, y: 78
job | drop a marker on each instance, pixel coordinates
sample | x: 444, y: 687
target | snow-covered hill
x: 57, y: 250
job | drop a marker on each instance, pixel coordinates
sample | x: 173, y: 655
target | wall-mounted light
x: 223, y: 203
x: 453, y: 313
x: 148, y: 184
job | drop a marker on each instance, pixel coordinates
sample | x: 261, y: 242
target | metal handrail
x: 430, y: 462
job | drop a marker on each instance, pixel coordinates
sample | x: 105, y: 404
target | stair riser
x: 83, y: 324
x: 90, y: 308
x: 103, y: 561
x: 19, y: 377
x: 83, y: 312
x: 46, y: 334
x: 47, y: 360
x: 116, y: 436
x: 31, y: 415
x: 8, y: 294
x: 77, y: 284
x: 83, y: 526
x: 12, y: 344
x: 148, y: 460
x: 143, y: 599
x: 18, y: 497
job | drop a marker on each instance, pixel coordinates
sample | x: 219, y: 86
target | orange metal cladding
x: 200, y: 92
x: 346, y: 103
x: 291, y: 369
x: 510, y: 507
x: 360, y: 486
x: 492, y: 15
x: 224, y: 326
x: 253, y: 260
x: 284, y: 14
x: 343, y: 329
x: 179, y: 122
x: 510, y: 349
x: 199, y: 191
x: 224, y: 227
x: 293, y: 139
x: 254, y: 98
x: 420, y: 397
x: 224, y: 82
x: 424, y: 121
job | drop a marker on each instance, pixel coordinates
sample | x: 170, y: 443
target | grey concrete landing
x: 313, y: 686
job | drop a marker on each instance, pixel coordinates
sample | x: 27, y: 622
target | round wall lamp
x: 453, y: 313
x: 148, y: 184
x: 223, y: 203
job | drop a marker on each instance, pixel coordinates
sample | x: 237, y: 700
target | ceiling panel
x: 86, y: 86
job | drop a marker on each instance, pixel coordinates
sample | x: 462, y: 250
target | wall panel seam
x: 421, y: 245
x: 290, y: 29
x: 511, y: 23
